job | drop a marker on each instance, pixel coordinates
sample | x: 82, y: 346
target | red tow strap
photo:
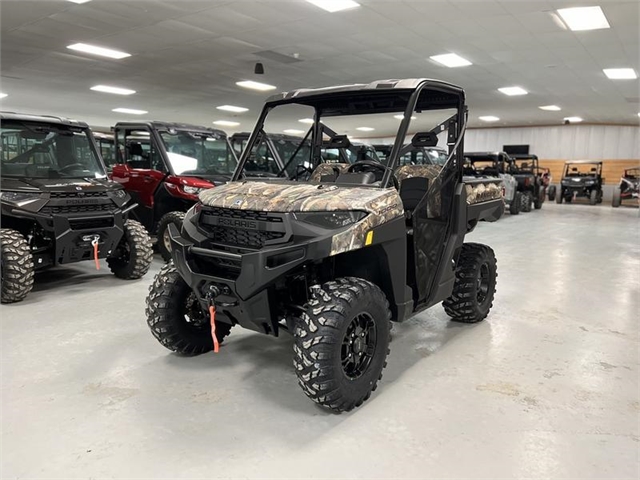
x: 212, y: 314
x: 95, y: 253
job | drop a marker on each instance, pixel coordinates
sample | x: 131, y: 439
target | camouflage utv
x: 333, y: 257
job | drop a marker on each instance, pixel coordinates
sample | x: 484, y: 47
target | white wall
x: 562, y: 142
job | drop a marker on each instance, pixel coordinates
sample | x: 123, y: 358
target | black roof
x: 272, y: 136
x: 488, y: 155
x: 160, y: 125
x: 570, y: 162
x: 27, y: 117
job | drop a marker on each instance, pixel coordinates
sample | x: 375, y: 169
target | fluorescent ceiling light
x: 79, y: 2
x: 226, y: 123
x: 334, y: 5
x: 293, y: 131
x: 263, y: 87
x: 620, y: 73
x: 638, y: 112
x: 231, y: 108
x: 489, y: 118
x: 451, y: 60
x: 584, y: 18
x: 511, y: 91
x: 116, y: 90
x: 365, y: 129
x: 131, y: 111
x: 2, y: 95
x: 550, y: 108
x: 103, y: 52
x: 400, y: 117
x: 573, y: 119
x: 306, y: 120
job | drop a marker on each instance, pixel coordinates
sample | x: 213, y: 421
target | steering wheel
x: 301, y: 170
x: 368, y: 165
x: 72, y: 166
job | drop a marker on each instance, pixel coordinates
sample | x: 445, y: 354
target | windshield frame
x: 442, y: 96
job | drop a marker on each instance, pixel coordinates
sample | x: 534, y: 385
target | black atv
x: 58, y: 206
x: 629, y: 187
x: 581, y: 178
x: 526, y: 170
x: 335, y: 259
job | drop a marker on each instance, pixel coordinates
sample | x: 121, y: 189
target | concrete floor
x: 547, y: 387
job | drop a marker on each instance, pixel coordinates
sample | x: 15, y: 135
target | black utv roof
x: 488, y: 156
x: 160, y: 125
x: 377, y: 97
x: 27, y: 117
x: 523, y: 156
x: 584, y: 162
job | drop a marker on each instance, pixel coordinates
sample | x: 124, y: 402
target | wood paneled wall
x: 611, y: 169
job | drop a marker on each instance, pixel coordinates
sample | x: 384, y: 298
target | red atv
x: 164, y: 166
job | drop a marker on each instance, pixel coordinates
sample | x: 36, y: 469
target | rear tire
x: 593, y: 197
x: 559, y: 196
x: 176, y: 318
x: 537, y: 203
x: 514, y: 206
x: 475, y: 284
x: 526, y: 202
x: 552, y: 193
x: 164, y: 244
x: 617, y: 198
x: 342, y: 343
x: 132, y: 257
x: 17, y: 266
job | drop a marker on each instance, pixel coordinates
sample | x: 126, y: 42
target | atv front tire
x: 552, y: 193
x: 342, y: 343
x: 516, y: 204
x: 17, y: 266
x: 559, y: 196
x: 176, y: 318
x: 593, y: 197
x: 537, y: 203
x: 526, y: 202
x: 475, y: 284
x: 164, y: 243
x: 617, y: 198
x: 132, y: 257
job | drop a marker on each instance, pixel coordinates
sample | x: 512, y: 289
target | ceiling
x: 187, y: 55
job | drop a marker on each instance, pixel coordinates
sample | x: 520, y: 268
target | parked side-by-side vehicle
x: 496, y: 165
x: 581, y: 178
x: 628, y: 188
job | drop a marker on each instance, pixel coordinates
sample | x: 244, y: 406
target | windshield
x: 195, y: 153
x: 581, y: 169
x: 524, y: 165
x: 48, y: 151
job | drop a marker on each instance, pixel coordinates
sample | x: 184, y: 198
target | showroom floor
x: 546, y: 387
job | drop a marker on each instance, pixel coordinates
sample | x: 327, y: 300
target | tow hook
x: 95, y: 243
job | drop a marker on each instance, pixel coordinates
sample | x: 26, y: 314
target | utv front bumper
x: 237, y: 283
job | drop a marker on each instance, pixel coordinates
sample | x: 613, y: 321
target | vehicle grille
x: 91, y: 223
x: 239, y: 237
x: 71, y: 209
x: 78, y: 195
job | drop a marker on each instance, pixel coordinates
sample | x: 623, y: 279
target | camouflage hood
x: 286, y: 197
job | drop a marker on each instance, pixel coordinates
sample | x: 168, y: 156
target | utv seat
x: 412, y: 190
x: 418, y: 179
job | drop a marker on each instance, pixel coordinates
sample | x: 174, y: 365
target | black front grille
x: 91, y: 223
x: 70, y: 209
x: 78, y: 194
x: 238, y: 236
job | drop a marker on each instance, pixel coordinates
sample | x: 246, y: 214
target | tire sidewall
x: 174, y: 218
x: 484, y: 307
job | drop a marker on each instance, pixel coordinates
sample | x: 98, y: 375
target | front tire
x: 559, y: 196
x: 552, y: 193
x: 593, y: 197
x: 164, y: 243
x: 17, y: 266
x: 537, y: 203
x: 342, y: 343
x: 526, y: 202
x: 516, y: 203
x: 475, y: 284
x: 617, y: 198
x: 176, y: 318
x: 132, y: 257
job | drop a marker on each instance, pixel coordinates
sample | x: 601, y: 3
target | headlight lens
x: 192, y: 190
x: 19, y: 198
x: 331, y: 220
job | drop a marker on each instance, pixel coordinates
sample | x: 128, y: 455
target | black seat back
x: 412, y: 190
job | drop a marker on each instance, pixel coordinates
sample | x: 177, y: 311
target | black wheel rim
x: 193, y: 314
x: 358, y: 346
x: 122, y: 255
x: 482, y: 283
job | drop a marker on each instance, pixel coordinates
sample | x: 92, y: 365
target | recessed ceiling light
x: 365, y: 129
x: 231, y: 108
x: 511, y: 91
x: 584, y: 18
x: 131, y: 111
x: 79, y: 2
x: 400, y: 117
x: 620, y: 73
x: 489, y: 118
x: 263, y: 87
x: 116, y: 90
x: 573, y: 119
x: 638, y: 112
x: 2, y: 95
x: 334, y: 5
x: 103, y: 52
x: 226, y: 123
x: 451, y: 60
x: 293, y: 131
x: 550, y: 108
x: 306, y: 120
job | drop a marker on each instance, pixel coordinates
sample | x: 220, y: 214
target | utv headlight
x: 192, y: 190
x: 331, y: 220
x: 19, y: 198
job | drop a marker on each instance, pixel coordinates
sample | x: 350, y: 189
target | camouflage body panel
x: 327, y: 169
x: 383, y: 205
x: 482, y: 192
x: 430, y: 172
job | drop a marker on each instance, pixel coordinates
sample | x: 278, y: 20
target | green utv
x: 334, y: 253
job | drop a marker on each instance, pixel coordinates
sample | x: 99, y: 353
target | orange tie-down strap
x: 95, y: 253
x: 212, y: 314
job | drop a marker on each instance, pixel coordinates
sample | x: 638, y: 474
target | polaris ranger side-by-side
x: 628, y: 188
x: 164, y: 166
x: 526, y: 170
x: 58, y: 206
x: 581, y: 178
x: 333, y: 258
x: 495, y: 164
